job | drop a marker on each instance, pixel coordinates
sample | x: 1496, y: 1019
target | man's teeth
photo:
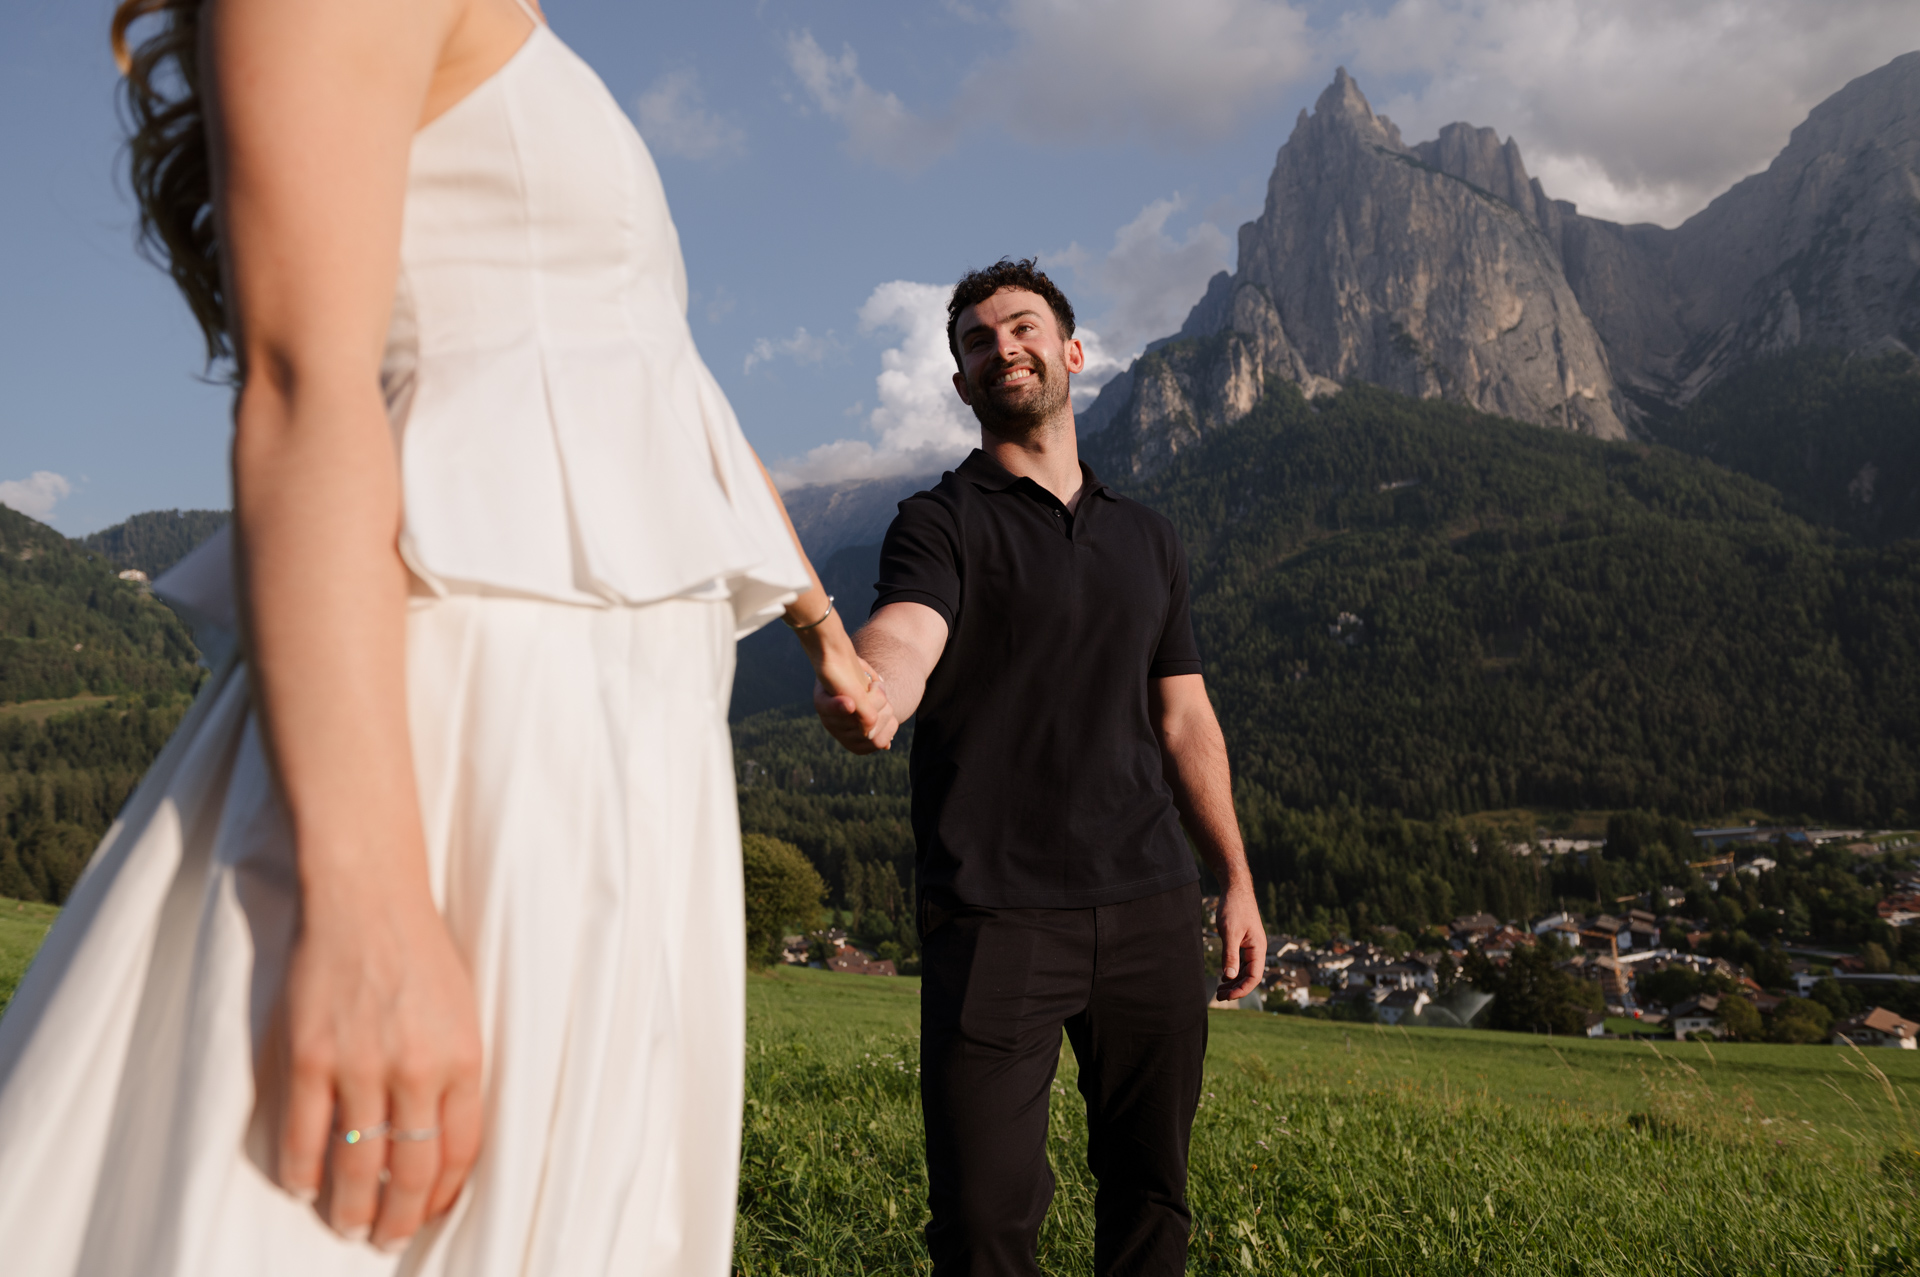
x: 1018, y: 374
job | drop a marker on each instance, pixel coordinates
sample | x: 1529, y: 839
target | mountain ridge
x: 1444, y: 270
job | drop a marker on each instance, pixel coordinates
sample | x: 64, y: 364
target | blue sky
x: 832, y: 164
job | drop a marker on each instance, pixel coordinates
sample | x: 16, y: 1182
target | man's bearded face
x: 1015, y: 363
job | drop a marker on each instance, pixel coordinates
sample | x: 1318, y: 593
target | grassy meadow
x: 1325, y: 1148
x: 1330, y: 1148
x: 23, y: 925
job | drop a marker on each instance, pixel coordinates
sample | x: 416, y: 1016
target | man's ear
x: 1076, y: 355
x: 960, y: 387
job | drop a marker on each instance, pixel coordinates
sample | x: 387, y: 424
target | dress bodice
x: 559, y: 435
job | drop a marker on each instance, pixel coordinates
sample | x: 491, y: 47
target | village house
x: 1289, y: 982
x: 1899, y: 910
x: 1474, y: 927
x: 1328, y: 966
x: 1696, y: 1018
x: 1642, y: 932
x: 852, y: 960
x: 1558, y: 923
x: 1878, y: 1027
x: 1401, y: 1004
x: 1414, y: 972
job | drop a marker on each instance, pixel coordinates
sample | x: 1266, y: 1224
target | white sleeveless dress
x: 589, y: 533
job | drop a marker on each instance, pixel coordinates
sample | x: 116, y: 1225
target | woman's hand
x: 382, y: 1038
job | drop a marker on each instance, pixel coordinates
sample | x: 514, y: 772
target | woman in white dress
x: 419, y: 950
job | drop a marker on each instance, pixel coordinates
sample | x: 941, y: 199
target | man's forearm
x: 894, y: 660
x: 1203, y: 793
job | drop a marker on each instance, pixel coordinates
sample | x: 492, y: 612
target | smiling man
x: 1037, y: 622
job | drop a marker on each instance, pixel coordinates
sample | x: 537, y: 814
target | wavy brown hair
x: 167, y: 154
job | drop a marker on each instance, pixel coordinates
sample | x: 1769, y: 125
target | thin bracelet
x: 812, y: 624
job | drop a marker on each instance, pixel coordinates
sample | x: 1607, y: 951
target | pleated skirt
x: 576, y: 780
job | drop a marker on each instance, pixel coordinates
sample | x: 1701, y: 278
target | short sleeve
x: 1177, y: 653
x: 920, y: 559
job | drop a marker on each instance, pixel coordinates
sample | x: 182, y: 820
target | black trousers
x: 1126, y: 982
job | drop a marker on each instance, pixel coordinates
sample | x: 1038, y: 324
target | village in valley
x: 1654, y: 966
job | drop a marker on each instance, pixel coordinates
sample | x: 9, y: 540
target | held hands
x: 382, y: 1043
x: 1243, y: 943
x: 851, y: 700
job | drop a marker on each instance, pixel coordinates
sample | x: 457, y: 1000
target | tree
x: 783, y: 890
x: 1800, y: 1020
x: 1532, y: 995
x: 1738, y: 1019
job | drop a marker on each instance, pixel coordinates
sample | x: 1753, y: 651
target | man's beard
x: 1025, y: 415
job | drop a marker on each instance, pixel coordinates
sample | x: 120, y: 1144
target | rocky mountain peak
x: 1373, y: 262
x: 1478, y: 157
x: 1342, y: 102
x: 1445, y: 270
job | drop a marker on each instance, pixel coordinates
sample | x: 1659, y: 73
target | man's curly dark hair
x: 977, y: 285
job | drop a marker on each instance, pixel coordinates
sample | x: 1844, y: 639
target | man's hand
x: 904, y: 642
x: 1243, y: 943
x: 863, y: 721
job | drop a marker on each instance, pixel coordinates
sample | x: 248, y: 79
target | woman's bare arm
x: 840, y: 676
x: 313, y: 109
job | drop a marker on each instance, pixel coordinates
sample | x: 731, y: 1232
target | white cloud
x: 674, y: 120
x: 879, y: 126
x: 36, y: 495
x: 1106, y: 69
x: 1633, y: 109
x: 1148, y: 279
x: 1079, y: 70
x: 919, y: 425
x: 803, y: 348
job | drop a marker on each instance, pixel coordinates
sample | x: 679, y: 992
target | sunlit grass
x: 1322, y: 1148
x: 23, y: 925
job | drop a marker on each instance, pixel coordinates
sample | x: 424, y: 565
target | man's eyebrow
x: 976, y: 325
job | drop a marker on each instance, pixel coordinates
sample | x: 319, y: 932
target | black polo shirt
x: 1036, y: 771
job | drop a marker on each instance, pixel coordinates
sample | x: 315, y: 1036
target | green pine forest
x: 1427, y: 629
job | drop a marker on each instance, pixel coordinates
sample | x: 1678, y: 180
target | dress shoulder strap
x: 530, y: 12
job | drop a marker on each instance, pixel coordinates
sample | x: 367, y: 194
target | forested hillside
x: 1415, y: 607
x: 1839, y: 436
x: 95, y: 673
x: 69, y: 626
x: 155, y: 541
x: 1417, y: 618
x: 849, y: 815
x: 64, y: 778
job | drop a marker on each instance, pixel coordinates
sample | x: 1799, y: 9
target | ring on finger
x: 361, y: 1134
x: 418, y: 1136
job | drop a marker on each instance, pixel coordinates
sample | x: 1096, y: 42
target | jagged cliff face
x: 1371, y: 262
x: 1823, y: 248
x: 1443, y: 269
x: 1382, y: 267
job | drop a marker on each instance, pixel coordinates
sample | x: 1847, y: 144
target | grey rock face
x: 1823, y: 247
x: 1444, y: 269
x: 1407, y: 267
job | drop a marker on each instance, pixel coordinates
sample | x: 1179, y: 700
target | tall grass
x: 1296, y: 1172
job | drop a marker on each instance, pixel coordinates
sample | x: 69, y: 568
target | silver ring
x: 360, y: 1135
x: 415, y: 1137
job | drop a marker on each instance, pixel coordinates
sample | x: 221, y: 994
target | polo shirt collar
x: 984, y: 472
